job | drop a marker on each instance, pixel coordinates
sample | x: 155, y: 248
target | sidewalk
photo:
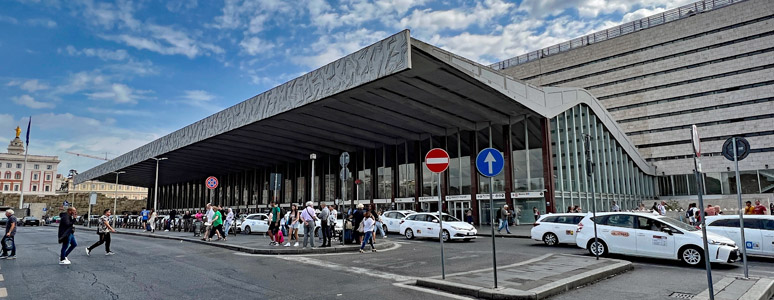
x: 537, y: 278
x: 253, y: 244
x: 736, y: 288
x: 520, y: 231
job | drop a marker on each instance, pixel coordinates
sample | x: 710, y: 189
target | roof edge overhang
x: 546, y: 101
x: 381, y: 59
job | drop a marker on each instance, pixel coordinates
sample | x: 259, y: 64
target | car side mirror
x: 435, y: 220
x: 667, y: 230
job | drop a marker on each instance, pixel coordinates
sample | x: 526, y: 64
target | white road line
x: 3, y: 293
x: 394, y: 247
x: 349, y: 269
x: 430, y: 291
x: 2, y: 278
x: 526, y: 262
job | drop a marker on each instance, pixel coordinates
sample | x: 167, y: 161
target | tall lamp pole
x: 156, y: 186
x: 312, y: 157
x: 115, y: 199
x: 72, y: 177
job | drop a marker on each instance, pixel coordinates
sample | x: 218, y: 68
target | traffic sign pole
x: 440, y: 223
x: 437, y: 161
x: 741, y: 211
x: 492, y: 214
x: 699, y: 189
x: 490, y: 163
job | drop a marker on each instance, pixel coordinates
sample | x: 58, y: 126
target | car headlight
x: 719, y: 243
x: 456, y: 228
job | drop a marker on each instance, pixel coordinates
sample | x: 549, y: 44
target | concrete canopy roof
x: 398, y: 89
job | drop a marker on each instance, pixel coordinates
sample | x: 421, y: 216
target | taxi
x: 426, y: 225
x: 650, y: 235
x: 758, y: 231
x: 391, y: 219
x: 555, y: 229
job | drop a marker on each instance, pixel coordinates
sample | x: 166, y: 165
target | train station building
x: 388, y: 104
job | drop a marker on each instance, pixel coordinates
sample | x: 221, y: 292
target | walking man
x: 67, y: 234
x: 145, y: 214
x: 10, y: 232
x: 208, y: 222
x: 504, y: 213
x: 309, y: 217
x: 325, y: 213
x: 103, y: 231
x: 332, y: 222
x: 274, y: 225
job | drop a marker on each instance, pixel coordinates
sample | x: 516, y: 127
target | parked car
x: 255, y: 223
x: 3, y: 220
x: 391, y: 219
x: 555, y: 229
x: 426, y: 225
x: 758, y: 231
x: 649, y: 235
x: 31, y: 221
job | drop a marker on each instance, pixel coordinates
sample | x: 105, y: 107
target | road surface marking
x: 395, y: 246
x: 349, y: 269
x: 3, y: 293
x: 430, y: 291
x: 2, y: 278
x: 526, y: 262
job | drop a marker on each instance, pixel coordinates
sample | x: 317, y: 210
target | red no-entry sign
x: 211, y: 182
x: 437, y: 160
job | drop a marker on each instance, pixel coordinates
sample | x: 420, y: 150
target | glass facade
x: 615, y: 176
x: 718, y: 183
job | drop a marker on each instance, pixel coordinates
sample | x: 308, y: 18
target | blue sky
x: 107, y: 77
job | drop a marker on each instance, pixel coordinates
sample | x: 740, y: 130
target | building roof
x: 395, y: 90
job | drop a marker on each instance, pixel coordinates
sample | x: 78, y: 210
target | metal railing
x: 620, y: 30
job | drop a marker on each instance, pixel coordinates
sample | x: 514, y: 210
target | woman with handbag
x: 67, y: 234
x: 293, y: 223
x: 367, y: 228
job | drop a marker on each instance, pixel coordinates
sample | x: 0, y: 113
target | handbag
x: 7, y: 243
x: 360, y: 228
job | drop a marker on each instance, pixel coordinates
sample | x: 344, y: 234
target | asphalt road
x: 146, y: 268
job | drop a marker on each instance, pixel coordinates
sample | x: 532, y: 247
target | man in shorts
x: 274, y: 226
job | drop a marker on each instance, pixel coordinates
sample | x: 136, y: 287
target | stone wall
x: 81, y: 202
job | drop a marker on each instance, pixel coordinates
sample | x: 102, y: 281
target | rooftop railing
x: 620, y: 30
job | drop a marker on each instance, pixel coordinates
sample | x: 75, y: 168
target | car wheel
x: 445, y: 235
x: 550, y: 239
x: 692, y: 256
x: 384, y: 228
x: 409, y: 234
x: 597, y: 248
x: 247, y: 230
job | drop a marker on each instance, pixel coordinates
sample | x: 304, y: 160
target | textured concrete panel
x: 386, y: 57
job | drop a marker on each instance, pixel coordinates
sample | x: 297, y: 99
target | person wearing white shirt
x: 309, y: 216
x: 368, y: 230
x: 332, y: 221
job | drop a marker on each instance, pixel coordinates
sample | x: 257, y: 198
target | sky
x: 103, y: 78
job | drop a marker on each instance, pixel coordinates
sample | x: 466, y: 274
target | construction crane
x: 89, y: 156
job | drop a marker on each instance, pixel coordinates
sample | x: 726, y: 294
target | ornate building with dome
x: 41, y: 171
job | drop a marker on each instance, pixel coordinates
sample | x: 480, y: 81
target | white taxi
x: 426, y: 225
x: 255, y: 223
x: 555, y: 229
x: 758, y: 231
x: 645, y: 234
x: 391, y: 219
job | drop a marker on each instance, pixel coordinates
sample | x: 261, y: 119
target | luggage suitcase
x: 197, y: 228
x: 348, y: 236
x: 280, y: 237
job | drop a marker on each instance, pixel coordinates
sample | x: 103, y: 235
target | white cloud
x: 332, y: 47
x: 42, y: 22
x: 31, y: 86
x: 120, y: 112
x: 166, y: 40
x: 177, y: 6
x: 28, y: 101
x: 254, y: 46
x: 103, y: 54
x: 7, y: 19
x: 591, y: 8
x: 119, y: 93
x: 198, y: 96
x: 456, y: 19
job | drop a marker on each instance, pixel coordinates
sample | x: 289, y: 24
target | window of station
x: 454, y: 187
x: 495, y: 133
x: 301, y: 188
x: 385, y: 158
x: 330, y: 177
x: 406, y: 177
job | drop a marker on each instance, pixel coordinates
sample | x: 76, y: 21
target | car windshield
x: 677, y: 224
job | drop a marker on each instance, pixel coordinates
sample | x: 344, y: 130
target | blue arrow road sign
x: 490, y: 162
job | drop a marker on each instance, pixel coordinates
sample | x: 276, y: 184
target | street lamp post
x: 156, y: 186
x: 115, y: 199
x: 72, y: 177
x: 312, y: 157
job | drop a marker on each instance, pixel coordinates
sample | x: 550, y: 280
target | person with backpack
x: 103, y: 230
x: 690, y: 214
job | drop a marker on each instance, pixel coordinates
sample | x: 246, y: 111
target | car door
x: 752, y: 234
x: 419, y: 224
x: 393, y: 221
x: 432, y: 226
x: 564, y: 228
x: 652, y: 240
x: 767, y: 236
x: 619, y: 233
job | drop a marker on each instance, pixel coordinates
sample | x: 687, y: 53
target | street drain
x: 679, y: 295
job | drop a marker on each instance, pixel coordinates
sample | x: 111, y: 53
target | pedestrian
x: 103, y: 230
x: 208, y: 222
x: 332, y: 221
x: 759, y: 209
x: 294, y: 220
x: 570, y: 209
x: 229, y: 221
x: 642, y: 207
x: 690, y: 214
x: 469, y: 216
x: 8, y: 242
x: 187, y: 221
x: 615, y: 207
x: 504, y: 213
x: 379, y: 227
x: 771, y: 208
x: 717, y: 210
x: 709, y: 211
x: 357, y: 218
x: 145, y: 215
x: 308, y: 216
x: 172, y: 220
x: 325, y: 213
x: 67, y: 234
x: 217, y: 225
x: 661, y: 208
x: 368, y: 230
x: 578, y: 209
x: 654, y: 208
x: 152, y: 220
x: 274, y: 219
x: 748, y: 208
x: 536, y: 213
x: 516, y: 215
x: 126, y: 221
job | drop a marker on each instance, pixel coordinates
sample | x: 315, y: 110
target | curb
x: 277, y: 251
x: 762, y: 289
x: 542, y: 292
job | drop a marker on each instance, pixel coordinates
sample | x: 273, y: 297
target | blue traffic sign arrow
x: 490, y: 162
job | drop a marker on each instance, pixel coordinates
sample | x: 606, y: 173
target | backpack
x: 689, y: 213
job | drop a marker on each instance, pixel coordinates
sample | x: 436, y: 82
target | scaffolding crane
x: 89, y: 156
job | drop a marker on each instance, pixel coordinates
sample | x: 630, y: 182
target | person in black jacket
x: 357, y: 217
x: 67, y: 234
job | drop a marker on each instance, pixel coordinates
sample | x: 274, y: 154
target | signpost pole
x: 344, y: 212
x: 492, y: 215
x: 699, y: 185
x: 741, y: 210
x: 440, y: 224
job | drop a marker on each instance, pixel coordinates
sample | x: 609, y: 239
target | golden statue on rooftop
x: 18, y: 131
